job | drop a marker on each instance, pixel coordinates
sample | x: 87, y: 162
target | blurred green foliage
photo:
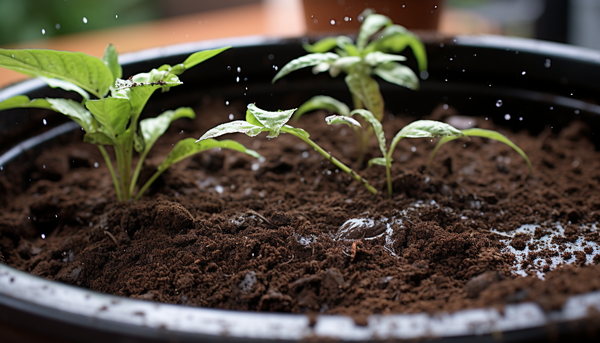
x: 23, y: 20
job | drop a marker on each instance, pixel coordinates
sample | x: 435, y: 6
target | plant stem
x: 333, y: 160
x: 136, y: 173
x: 124, y: 171
x: 112, y: 172
x: 388, y: 175
x: 147, y: 184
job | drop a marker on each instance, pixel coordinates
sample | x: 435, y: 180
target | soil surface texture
x: 291, y: 233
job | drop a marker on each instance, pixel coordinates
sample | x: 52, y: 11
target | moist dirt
x: 294, y: 234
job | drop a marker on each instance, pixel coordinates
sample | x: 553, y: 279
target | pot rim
x: 42, y: 298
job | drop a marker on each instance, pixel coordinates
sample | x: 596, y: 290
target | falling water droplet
x: 523, y: 72
x: 237, y: 79
x: 231, y: 116
x: 43, y: 31
x: 226, y: 103
x: 44, y: 121
x: 96, y: 164
x: 445, y: 106
x: 413, y: 149
x: 576, y: 111
x: 43, y: 236
x: 84, y: 20
x: 548, y: 63
x: 228, y: 68
x: 57, y: 26
x: 116, y: 16
x: 499, y: 103
x: 239, y: 69
x: 332, y: 22
x: 507, y: 116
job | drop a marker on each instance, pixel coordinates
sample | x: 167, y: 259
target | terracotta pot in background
x: 324, y: 16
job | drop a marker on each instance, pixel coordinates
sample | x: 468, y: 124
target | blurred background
x: 132, y: 25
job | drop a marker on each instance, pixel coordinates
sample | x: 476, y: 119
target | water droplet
x: 57, y: 26
x: 435, y: 6
x: 271, y: 57
x: 305, y: 154
x: 424, y: 75
x: 43, y: 236
x: 507, y: 116
x: 451, y: 59
x: 227, y: 103
x: 551, y: 108
x: 441, y: 45
x: 237, y: 79
x: 486, y: 118
x: 84, y: 20
x: 43, y: 166
x: 44, y: 121
x: 332, y: 22
x: 347, y: 19
x: 548, y: 63
x: 96, y: 164
x: 523, y: 72
x: 403, y: 6
x: 116, y: 16
x: 275, y: 67
x: 413, y: 149
x: 463, y: 70
x: 499, y: 103
x: 43, y: 31
x: 219, y: 189
x: 445, y: 106
x: 239, y: 69
x: 474, y: 55
x: 231, y: 116
x: 520, y: 118
x: 228, y: 68
x: 255, y: 166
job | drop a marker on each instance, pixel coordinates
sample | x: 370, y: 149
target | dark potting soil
x: 293, y: 234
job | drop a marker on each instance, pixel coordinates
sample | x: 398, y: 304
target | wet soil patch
x: 294, y: 234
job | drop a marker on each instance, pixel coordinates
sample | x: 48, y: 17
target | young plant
x: 416, y: 129
x: 258, y: 120
x: 360, y: 61
x: 112, y: 119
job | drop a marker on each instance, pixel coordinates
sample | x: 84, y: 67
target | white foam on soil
x: 543, y: 243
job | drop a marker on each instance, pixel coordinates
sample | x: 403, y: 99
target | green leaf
x: 343, y: 63
x: 113, y: 114
x: 378, y: 57
x: 475, y: 132
x: 380, y: 161
x: 154, y: 128
x: 322, y: 102
x: 423, y: 129
x: 98, y: 138
x: 397, y: 73
x: 305, y: 61
x: 87, y: 72
x: 72, y: 109
x: 346, y: 43
x: 366, y: 89
x: 298, y: 132
x: 376, y: 127
x: 396, y: 38
x: 322, y: 45
x: 371, y: 24
x: 202, y: 56
x: 111, y: 60
x: 273, y: 121
x: 188, y: 147
x: 237, y: 126
x: 336, y: 119
x: 68, y: 86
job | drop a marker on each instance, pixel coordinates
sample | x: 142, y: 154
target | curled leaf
x: 336, y: 119
x: 365, y: 88
x: 371, y: 24
x: 425, y: 128
x: 111, y: 60
x: 273, y: 121
x: 305, y: 61
x: 378, y: 57
x: 377, y: 127
x: 237, y: 126
x: 380, y: 161
x: 398, y: 74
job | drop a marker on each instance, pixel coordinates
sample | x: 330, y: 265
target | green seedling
x: 475, y: 132
x: 360, y: 62
x: 258, y: 120
x: 417, y: 129
x: 113, y: 118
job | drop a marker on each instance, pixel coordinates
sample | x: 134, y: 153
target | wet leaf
x: 188, y: 147
x: 371, y: 24
x: 85, y: 71
x: 322, y: 102
x: 111, y: 60
x: 377, y: 127
x: 378, y: 57
x: 396, y: 38
x: 305, y: 61
x: 475, y: 132
x: 112, y: 113
x: 70, y: 108
x: 423, y: 129
x: 336, y: 119
x: 380, y: 161
x: 202, y: 56
x: 68, y: 86
x: 273, y: 121
x: 237, y: 126
x: 152, y: 128
x: 367, y: 90
x: 397, y: 73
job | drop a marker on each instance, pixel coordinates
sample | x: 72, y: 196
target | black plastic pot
x: 542, y: 83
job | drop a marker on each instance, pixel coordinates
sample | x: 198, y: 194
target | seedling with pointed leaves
x: 275, y: 123
x: 113, y: 118
x: 360, y: 62
x: 416, y: 129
